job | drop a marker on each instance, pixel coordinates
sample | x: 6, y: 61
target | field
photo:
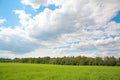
x: 19, y: 71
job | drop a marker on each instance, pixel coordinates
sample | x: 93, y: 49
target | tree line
x: 79, y: 60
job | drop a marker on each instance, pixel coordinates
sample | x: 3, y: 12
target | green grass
x: 17, y: 71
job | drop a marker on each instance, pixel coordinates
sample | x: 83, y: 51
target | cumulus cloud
x: 2, y: 21
x: 24, y: 18
x: 35, y: 3
x: 16, y: 41
x: 73, y: 16
x: 84, y: 21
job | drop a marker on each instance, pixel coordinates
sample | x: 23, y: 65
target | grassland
x: 17, y: 71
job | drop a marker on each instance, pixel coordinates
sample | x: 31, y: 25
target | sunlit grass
x: 17, y: 71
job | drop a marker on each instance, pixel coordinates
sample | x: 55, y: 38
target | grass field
x: 17, y: 71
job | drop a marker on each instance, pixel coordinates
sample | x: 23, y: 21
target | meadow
x: 22, y: 71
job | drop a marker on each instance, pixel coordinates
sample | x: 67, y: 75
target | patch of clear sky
x: 7, y: 7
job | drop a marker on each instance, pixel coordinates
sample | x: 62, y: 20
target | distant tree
x: 98, y: 61
x: 110, y: 61
x: 17, y: 60
x: 118, y: 62
x: 79, y: 60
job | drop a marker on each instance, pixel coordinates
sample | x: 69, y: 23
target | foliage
x: 79, y: 60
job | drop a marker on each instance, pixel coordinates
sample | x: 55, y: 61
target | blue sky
x: 117, y: 17
x: 7, y: 7
x: 6, y: 11
x: 30, y: 28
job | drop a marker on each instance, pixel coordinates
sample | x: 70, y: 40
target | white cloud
x: 16, y: 40
x: 2, y: 21
x: 113, y: 29
x: 71, y: 17
x: 34, y: 3
x: 24, y: 18
x: 37, y: 3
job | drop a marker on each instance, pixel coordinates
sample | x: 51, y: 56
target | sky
x: 57, y: 28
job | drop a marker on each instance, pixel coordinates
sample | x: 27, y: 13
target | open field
x: 19, y: 71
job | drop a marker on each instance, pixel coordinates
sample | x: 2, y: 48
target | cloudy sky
x: 37, y: 28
